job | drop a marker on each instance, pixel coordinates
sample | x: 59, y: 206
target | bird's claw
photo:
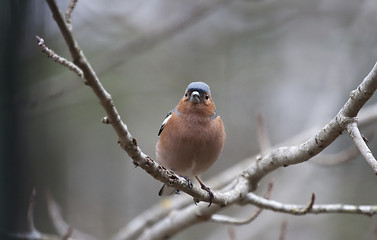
x: 189, y: 183
x: 210, y: 193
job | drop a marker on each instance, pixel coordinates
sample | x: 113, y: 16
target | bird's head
x: 198, y: 92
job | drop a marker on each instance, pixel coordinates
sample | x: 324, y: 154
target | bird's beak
x: 195, y: 97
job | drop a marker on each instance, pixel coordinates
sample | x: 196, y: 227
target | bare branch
x: 310, y: 208
x: 354, y: 132
x: 284, y: 156
x: 51, y: 54
x: 361, y: 95
x: 310, y: 205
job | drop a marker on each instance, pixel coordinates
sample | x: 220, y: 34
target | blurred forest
x: 293, y: 61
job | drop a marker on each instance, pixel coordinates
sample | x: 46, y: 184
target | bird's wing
x: 168, y: 116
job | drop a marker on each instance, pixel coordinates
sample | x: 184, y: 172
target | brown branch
x: 51, y: 54
x: 310, y: 205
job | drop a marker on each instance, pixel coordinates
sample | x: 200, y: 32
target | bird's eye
x: 186, y: 94
x: 207, y: 97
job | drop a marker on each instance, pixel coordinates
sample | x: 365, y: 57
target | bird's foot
x: 207, y: 189
x: 189, y: 183
x: 210, y: 193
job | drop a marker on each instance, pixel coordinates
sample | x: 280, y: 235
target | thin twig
x: 354, y: 132
x: 310, y: 208
x: 59, y: 59
x: 310, y: 205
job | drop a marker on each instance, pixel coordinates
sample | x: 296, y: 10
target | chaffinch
x: 191, y: 137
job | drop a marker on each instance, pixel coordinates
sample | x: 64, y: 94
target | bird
x: 191, y: 137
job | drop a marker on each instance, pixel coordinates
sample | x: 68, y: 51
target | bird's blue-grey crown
x: 198, y: 86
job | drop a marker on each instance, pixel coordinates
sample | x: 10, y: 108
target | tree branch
x: 285, y: 156
x: 51, y: 54
x: 295, y: 209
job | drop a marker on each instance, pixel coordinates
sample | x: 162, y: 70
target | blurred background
x: 292, y: 61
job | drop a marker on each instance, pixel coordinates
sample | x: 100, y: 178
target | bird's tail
x: 166, y: 191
